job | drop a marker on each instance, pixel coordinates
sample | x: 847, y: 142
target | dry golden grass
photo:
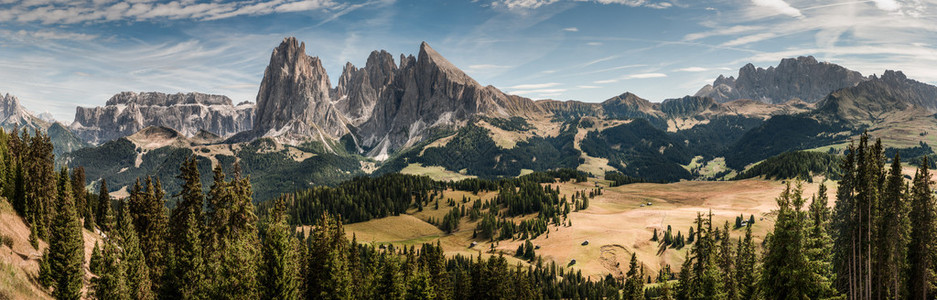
x: 19, y: 265
x: 615, y: 224
x: 434, y: 172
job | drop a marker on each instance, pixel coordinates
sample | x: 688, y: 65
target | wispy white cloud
x: 737, y: 29
x: 692, y: 69
x: 47, y: 34
x: 779, y: 7
x: 69, y: 12
x: 571, y: 29
x: 700, y: 69
x: 594, y: 44
x: 889, y: 5
x: 645, y: 76
x: 534, y: 86
x: 482, y: 67
x: 605, y: 81
x: 524, y: 5
x: 588, y: 86
x: 748, y: 39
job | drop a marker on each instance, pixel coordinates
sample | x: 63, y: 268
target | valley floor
x: 615, y: 224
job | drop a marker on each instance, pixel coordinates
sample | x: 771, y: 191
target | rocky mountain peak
x: 188, y: 113
x: 431, y: 61
x: 163, y: 99
x: 293, y: 102
x: 801, y: 78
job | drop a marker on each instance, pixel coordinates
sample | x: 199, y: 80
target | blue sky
x: 57, y: 54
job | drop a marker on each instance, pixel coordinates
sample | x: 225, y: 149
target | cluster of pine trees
x: 879, y: 241
x: 884, y: 231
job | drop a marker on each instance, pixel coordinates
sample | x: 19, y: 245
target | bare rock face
x: 12, y: 114
x: 294, y: 103
x: 794, y: 78
x: 129, y: 112
x: 386, y: 106
x: 880, y: 97
x: 430, y: 92
x: 358, y: 90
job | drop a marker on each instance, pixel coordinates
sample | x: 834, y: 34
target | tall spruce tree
x: 634, y: 283
x: 187, y: 270
x: 745, y: 266
x: 789, y: 273
x: 66, y: 245
x: 39, y: 183
x: 80, y: 193
x: 137, y: 273
x: 103, y: 213
x: 727, y: 264
x: 327, y: 274
x: 818, y: 245
x: 111, y: 281
x: 845, y: 237
x: 281, y: 271
x: 233, y: 252
x: 923, y: 244
x: 895, y: 228
x: 707, y: 277
x: 148, y: 211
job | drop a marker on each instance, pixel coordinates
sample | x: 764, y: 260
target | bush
x: 7, y: 241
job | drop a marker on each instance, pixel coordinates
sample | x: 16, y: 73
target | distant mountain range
x: 424, y: 115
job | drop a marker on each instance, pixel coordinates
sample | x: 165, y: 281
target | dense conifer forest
x: 877, y: 241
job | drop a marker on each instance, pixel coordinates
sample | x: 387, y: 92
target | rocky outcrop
x: 129, y: 112
x: 385, y: 104
x: 12, y: 114
x: 358, y: 90
x: 688, y: 106
x: 879, y: 98
x: 430, y: 92
x: 794, y: 78
x: 630, y: 106
x: 294, y: 102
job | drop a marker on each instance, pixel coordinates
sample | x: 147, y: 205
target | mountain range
x: 424, y: 115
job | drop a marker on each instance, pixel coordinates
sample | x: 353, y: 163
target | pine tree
x: 327, y: 273
x: 819, y: 245
x: 745, y: 270
x: 789, y: 272
x: 727, y: 264
x: 844, y: 229
x: 634, y: 284
x: 923, y: 243
x: 103, y: 212
x: 187, y: 270
x: 97, y: 258
x: 895, y: 228
x: 707, y: 277
x: 686, y: 281
x: 45, y: 269
x: 66, y: 245
x: 281, y: 277
x: 137, y: 273
x: 148, y: 211
x: 40, y: 188
x: 111, y: 282
x: 390, y: 286
x: 79, y: 193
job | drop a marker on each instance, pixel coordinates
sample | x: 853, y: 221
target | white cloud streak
x: 56, y: 12
x: 534, y: 86
x: 779, y: 7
